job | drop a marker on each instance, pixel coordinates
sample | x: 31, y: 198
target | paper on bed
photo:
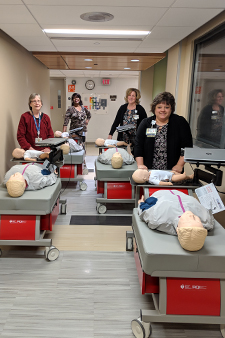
x: 209, y: 198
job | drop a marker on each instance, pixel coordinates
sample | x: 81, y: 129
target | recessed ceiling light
x: 216, y: 69
x: 88, y: 67
x: 135, y: 60
x: 96, y: 43
x: 96, y: 16
x: 126, y: 68
x: 94, y: 32
x: 88, y: 60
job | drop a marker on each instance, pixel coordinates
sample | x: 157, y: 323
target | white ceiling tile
x: 37, y: 40
x: 108, y: 3
x: 50, y: 15
x: 75, y: 44
x: 22, y: 29
x: 169, y: 33
x: 100, y: 49
x: 154, y: 43
x: 11, y: 2
x: 190, y: 17
x: 15, y: 14
x: 200, y: 3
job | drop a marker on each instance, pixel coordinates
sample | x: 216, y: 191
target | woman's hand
x: 109, y: 137
x: 142, y: 166
x: 178, y: 168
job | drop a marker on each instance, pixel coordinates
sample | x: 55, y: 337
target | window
x: 207, y: 118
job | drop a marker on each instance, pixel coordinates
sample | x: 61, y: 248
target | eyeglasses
x: 36, y: 101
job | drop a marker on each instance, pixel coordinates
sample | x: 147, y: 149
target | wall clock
x: 90, y: 84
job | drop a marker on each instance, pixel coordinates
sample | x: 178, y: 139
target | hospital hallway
x: 92, y: 290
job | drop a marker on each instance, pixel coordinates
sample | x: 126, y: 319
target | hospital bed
x: 25, y: 220
x: 186, y: 287
x: 73, y: 168
x: 114, y: 184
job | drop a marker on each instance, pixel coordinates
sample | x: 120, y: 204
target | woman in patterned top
x: 160, y: 138
x: 79, y: 116
x: 129, y: 113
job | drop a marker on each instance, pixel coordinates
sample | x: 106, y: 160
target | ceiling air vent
x: 97, y: 16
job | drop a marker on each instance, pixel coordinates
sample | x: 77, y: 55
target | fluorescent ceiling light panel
x: 94, y: 32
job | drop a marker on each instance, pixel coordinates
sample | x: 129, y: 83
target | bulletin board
x: 96, y: 103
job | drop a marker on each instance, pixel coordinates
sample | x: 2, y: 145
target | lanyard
x: 37, y: 127
x: 26, y: 168
x: 179, y: 198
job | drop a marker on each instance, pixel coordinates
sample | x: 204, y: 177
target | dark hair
x: 137, y: 92
x: 163, y: 97
x: 213, y: 94
x: 76, y: 95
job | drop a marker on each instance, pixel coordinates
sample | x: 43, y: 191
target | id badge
x: 136, y: 117
x: 38, y: 139
x: 214, y: 115
x: 151, y: 132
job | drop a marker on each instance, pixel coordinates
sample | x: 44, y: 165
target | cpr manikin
x: 29, y: 155
x: 117, y: 160
x: 70, y: 145
x: 190, y: 231
x: 100, y: 142
x: 27, y: 176
x: 159, y: 177
x: 174, y: 213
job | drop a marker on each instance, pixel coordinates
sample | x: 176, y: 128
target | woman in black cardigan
x: 130, y: 113
x: 161, y: 137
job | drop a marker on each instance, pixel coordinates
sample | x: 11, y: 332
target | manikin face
x: 131, y: 98
x: 219, y: 99
x: 188, y: 219
x: 100, y: 142
x: 17, y: 177
x: 36, y: 104
x: 141, y: 175
x: 162, y: 112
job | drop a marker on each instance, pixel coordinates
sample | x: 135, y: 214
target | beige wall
x: 21, y: 75
x: 146, y: 86
x: 184, y: 81
x: 57, y: 114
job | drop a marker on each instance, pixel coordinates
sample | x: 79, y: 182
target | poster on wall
x: 96, y: 103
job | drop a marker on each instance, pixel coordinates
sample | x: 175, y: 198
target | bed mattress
x: 161, y: 254
x: 106, y: 172
x: 74, y: 158
x: 38, y: 202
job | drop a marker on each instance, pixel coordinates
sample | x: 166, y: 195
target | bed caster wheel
x: 102, y: 209
x: 63, y: 207
x: 141, y: 329
x: 83, y: 186
x: 222, y: 330
x: 85, y: 171
x: 0, y: 252
x: 129, y: 244
x: 51, y: 253
x: 97, y: 206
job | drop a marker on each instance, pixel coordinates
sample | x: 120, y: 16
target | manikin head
x: 16, y: 185
x: 117, y: 160
x: 58, y: 133
x: 141, y: 175
x: 100, y: 142
x: 65, y: 148
x: 190, y: 231
x: 18, y: 153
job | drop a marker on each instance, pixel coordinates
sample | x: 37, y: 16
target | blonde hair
x: 137, y: 92
x: 15, y: 188
x: 191, y: 238
x: 117, y: 161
